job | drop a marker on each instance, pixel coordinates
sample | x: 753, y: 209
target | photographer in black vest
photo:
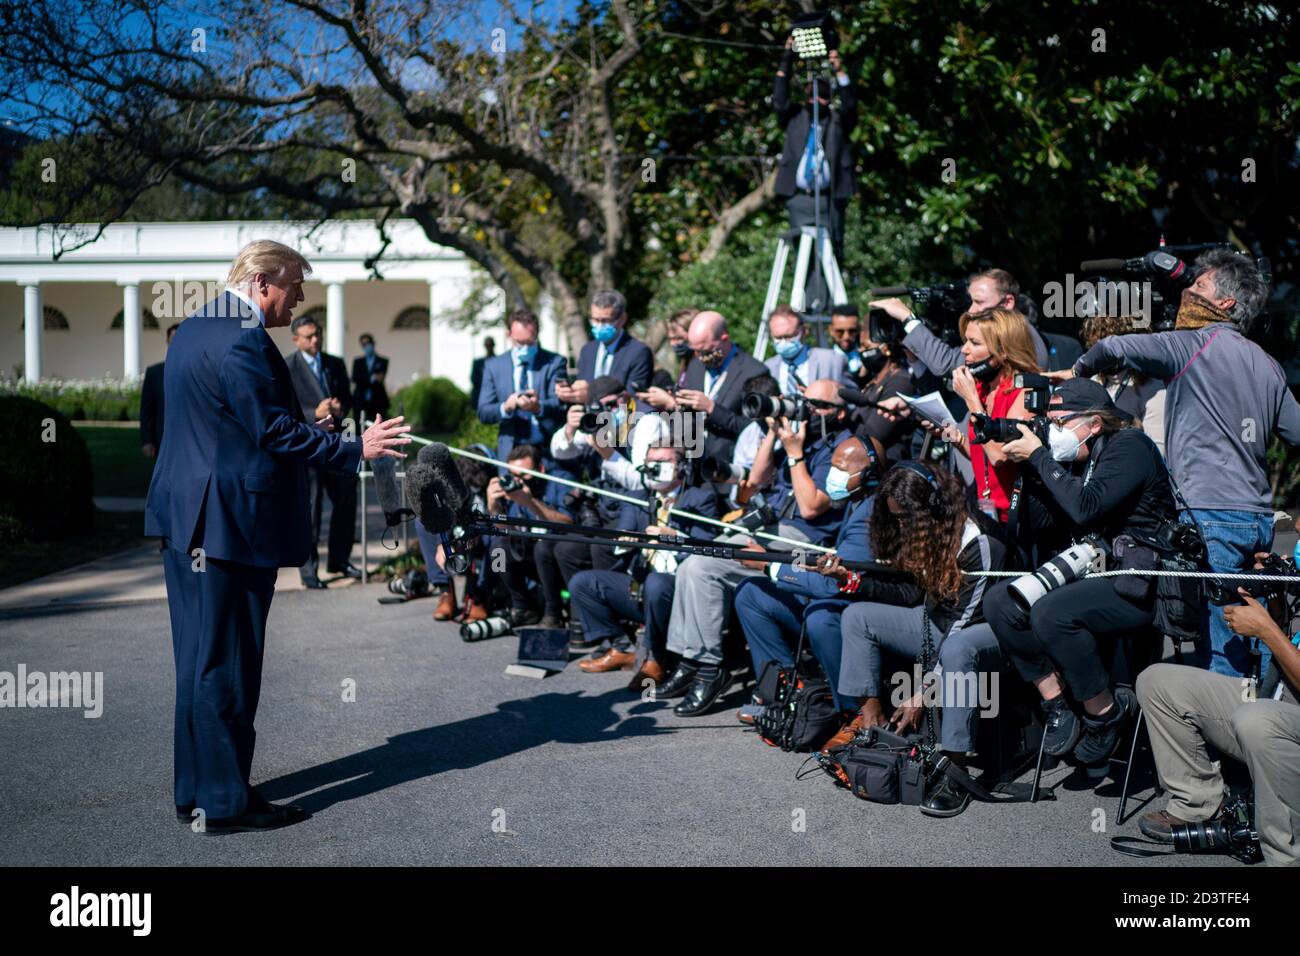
x: 1110, y: 482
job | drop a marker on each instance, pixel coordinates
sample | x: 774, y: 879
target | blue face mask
x: 604, y: 332
x: 524, y: 353
x: 369, y: 350
x: 788, y: 349
x: 837, y: 484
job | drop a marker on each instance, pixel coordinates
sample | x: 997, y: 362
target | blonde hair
x: 265, y: 256
x: 1006, y: 334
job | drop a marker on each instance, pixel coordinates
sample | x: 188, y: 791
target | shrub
x: 103, y: 400
x: 431, y: 405
x: 45, y: 486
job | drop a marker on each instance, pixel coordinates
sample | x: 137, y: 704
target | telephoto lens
x: 718, y: 470
x: 773, y: 406
x: 1068, y: 566
x: 482, y: 630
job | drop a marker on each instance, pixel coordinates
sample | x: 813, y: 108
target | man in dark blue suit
x: 229, y: 501
x: 612, y: 351
x: 773, y: 608
x: 518, y: 392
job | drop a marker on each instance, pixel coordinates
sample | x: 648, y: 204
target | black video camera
x: 985, y: 428
x: 1220, y: 591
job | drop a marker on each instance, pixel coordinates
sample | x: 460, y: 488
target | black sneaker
x: 1061, y: 730
x: 1101, y: 735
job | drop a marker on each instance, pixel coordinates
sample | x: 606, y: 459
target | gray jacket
x: 1225, y: 396
x: 822, y: 364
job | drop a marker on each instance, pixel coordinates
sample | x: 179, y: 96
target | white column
x: 33, y: 331
x: 131, y: 322
x: 433, y: 338
x: 335, y: 321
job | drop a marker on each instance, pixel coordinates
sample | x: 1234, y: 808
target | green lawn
x: 120, y: 470
x: 112, y: 531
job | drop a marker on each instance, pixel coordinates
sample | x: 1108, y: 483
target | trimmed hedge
x: 431, y: 405
x: 46, y: 483
x: 100, y: 400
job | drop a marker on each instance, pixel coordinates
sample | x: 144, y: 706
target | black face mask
x: 681, y: 349
x: 873, y: 360
x: 984, y: 371
x: 712, y: 360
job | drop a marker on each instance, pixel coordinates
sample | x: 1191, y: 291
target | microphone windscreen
x: 854, y: 397
x: 1102, y: 265
x: 435, y: 490
x: 386, y: 489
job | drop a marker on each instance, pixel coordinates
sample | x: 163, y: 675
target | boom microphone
x: 435, y: 490
x: 438, y: 496
x: 1102, y: 265
x: 390, y: 497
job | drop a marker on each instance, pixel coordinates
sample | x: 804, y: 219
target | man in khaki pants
x: 1188, y: 708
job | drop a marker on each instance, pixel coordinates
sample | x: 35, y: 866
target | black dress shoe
x: 524, y: 617
x: 348, y: 570
x: 259, y: 815
x: 315, y: 584
x: 710, y: 681
x: 678, y: 682
x: 185, y: 813
x: 945, y: 799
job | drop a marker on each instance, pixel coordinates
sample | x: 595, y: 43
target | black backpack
x: 799, y: 711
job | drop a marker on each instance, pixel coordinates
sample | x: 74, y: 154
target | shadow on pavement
x: 515, y: 726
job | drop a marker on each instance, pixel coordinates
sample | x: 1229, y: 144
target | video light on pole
x: 814, y: 35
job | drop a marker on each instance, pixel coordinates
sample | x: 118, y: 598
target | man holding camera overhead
x: 1225, y: 396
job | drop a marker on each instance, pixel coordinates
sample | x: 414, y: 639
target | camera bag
x: 799, y: 713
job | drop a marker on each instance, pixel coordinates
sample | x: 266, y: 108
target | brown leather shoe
x: 652, y: 670
x: 612, y: 660
x: 474, y: 611
x: 845, y: 735
x: 446, y: 608
x: 1158, y: 825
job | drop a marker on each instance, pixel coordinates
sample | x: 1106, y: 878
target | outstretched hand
x: 383, y: 438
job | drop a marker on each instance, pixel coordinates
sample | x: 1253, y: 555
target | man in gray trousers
x: 1189, y: 711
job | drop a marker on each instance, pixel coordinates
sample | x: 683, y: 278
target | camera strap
x: 1136, y: 846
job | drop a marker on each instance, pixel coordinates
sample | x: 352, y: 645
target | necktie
x: 521, y: 378
x: 320, y: 376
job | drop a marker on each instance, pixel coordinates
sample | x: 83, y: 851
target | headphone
x: 924, y: 471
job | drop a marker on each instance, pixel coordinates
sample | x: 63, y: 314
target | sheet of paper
x: 931, y: 407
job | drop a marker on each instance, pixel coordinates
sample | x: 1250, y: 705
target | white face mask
x: 1063, y: 442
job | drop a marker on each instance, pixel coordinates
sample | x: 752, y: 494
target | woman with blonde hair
x: 996, y: 345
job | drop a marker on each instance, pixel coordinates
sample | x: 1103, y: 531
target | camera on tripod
x: 1221, y: 592
x: 793, y: 408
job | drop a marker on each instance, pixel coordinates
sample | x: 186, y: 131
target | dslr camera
x: 792, y: 408
x: 1232, y: 832
x: 985, y: 428
x: 594, y: 414
x: 1224, y: 591
x: 509, y: 482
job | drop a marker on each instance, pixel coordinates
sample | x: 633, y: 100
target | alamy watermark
x: 1081, y: 300
x: 75, y: 690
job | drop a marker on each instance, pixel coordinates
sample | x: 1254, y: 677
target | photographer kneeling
x: 1109, y: 480
x: 1188, y: 708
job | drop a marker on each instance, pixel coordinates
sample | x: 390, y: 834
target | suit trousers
x: 602, y: 601
x: 218, y: 618
x: 341, y: 489
x: 772, y: 618
x: 1188, y: 711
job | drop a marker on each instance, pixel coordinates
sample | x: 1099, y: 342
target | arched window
x: 412, y: 317
x: 54, y: 320
x: 147, y: 320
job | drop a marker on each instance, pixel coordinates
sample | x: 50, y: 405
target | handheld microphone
x: 390, y: 496
x: 437, y: 494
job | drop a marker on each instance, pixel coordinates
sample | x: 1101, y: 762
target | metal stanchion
x: 365, y: 565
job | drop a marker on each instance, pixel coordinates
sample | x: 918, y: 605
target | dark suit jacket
x: 476, y: 379
x: 724, y: 424
x: 307, y: 388
x: 837, y: 121
x: 232, y: 476
x: 151, y: 406
x: 361, y: 381
x: 634, y: 363
x: 499, y: 384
